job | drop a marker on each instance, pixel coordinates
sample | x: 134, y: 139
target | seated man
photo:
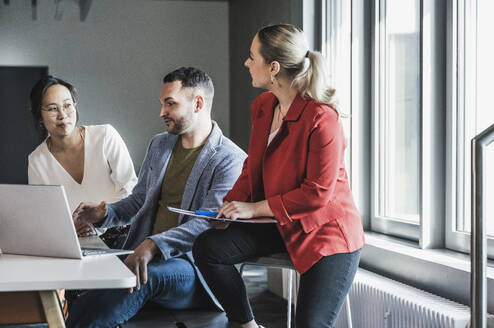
x: 190, y: 166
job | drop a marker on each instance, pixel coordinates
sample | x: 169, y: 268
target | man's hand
x: 86, y: 214
x: 86, y: 230
x: 138, y: 261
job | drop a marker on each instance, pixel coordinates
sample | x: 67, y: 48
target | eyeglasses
x: 53, y: 110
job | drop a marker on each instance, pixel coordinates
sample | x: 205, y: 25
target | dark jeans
x: 323, y: 287
x: 172, y: 284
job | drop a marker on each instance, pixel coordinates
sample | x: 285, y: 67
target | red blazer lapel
x: 261, y: 125
x: 294, y: 112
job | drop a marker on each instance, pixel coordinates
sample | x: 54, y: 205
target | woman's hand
x: 238, y: 210
x: 241, y: 210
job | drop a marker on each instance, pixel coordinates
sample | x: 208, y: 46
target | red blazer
x: 301, y: 174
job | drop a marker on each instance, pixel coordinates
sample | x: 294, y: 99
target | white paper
x: 192, y: 213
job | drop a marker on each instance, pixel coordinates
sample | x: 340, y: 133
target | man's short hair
x: 191, y: 77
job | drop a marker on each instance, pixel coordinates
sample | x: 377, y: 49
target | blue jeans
x: 172, y: 284
x: 323, y: 287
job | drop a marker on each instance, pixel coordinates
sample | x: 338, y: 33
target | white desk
x: 33, y: 273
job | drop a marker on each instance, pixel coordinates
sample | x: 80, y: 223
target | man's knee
x: 159, y: 275
x: 162, y: 273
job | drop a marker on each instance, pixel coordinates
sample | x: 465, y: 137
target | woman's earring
x: 272, y: 79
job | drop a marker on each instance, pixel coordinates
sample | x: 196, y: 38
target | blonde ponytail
x: 287, y: 45
x: 312, y: 81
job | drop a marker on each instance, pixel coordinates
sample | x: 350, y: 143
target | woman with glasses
x: 294, y: 173
x: 91, y: 162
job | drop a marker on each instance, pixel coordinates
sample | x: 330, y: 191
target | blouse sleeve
x: 33, y: 175
x: 118, y: 157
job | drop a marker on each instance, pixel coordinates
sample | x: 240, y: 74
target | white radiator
x: 379, y: 302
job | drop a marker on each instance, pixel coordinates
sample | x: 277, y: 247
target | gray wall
x: 119, y: 55
x: 246, y: 17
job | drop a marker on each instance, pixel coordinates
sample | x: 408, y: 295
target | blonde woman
x: 294, y: 173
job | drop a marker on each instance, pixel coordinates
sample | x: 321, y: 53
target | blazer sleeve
x: 179, y: 240
x: 326, y: 147
x: 118, y: 157
x: 122, y: 212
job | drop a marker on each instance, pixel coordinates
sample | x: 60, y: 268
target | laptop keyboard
x: 90, y: 251
x: 93, y: 251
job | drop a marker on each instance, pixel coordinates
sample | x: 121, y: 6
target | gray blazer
x: 215, y: 171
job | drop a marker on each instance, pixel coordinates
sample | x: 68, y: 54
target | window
x: 471, y: 109
x: 399, y: 115
x: 337, y: 49
x: 420, y: 78
x: 397, y: 118
x: 430, y: 77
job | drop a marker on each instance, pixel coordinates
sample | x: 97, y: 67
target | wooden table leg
x: 51, y: 306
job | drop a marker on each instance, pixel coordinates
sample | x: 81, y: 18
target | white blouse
x: 272, y: 135
x: 108, y: 170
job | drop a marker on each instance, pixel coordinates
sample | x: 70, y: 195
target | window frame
x: 412, y: 262
x: 429, y: 232
x: 461, y: 72
x: 338, y: 13
x: 386, y: 225
x: 439, y: 165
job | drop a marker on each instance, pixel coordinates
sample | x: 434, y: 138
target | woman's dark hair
x: 36, y: 98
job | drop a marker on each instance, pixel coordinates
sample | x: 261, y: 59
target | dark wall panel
x: 18, y: 136
x: 246, y: 18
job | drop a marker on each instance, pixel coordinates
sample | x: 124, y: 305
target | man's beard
x: 179, y: 126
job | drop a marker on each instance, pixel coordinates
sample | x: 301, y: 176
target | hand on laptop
x: 86, y: 214
x: 138, y: 261
x: 86, y: 231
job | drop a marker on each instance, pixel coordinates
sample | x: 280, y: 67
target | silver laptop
x: 36, y: 220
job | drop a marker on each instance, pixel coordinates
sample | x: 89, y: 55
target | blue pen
x: 206, y: 213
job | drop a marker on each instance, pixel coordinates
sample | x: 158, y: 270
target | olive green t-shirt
x: 177, y: 172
